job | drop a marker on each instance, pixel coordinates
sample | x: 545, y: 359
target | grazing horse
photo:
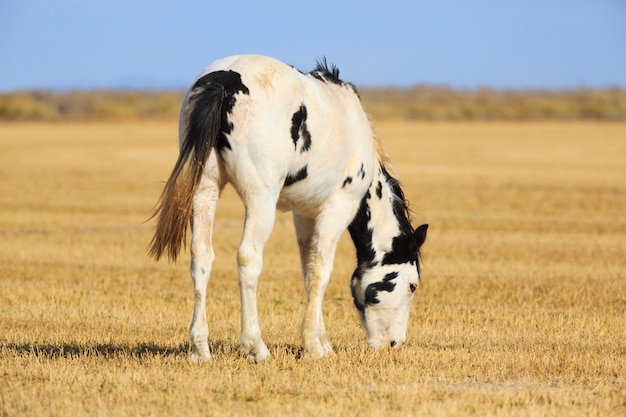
x: 293, y: 141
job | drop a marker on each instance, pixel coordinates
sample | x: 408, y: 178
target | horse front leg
x: 314, y: 338
x: 316, y: 256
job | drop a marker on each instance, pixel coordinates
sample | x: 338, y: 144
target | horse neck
x: 382, y: 218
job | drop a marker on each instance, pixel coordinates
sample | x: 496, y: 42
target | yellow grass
x: 522, y: 312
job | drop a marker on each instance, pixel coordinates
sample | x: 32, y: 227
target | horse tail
x: 202, y: 115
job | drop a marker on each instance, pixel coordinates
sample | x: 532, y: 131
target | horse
x: 298, y: 142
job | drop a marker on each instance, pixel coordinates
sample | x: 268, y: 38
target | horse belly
x: 307, y: 196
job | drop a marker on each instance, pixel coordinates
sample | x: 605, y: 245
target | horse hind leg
x: 202, y: 256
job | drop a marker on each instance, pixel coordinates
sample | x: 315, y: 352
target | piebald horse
x: 293, y: 141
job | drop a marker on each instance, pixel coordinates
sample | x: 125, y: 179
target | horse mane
x: 329, y: 72
x: 402, y: 213
x: 400, y: 203
x: 382, y: 155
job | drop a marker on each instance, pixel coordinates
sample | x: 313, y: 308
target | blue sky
x: 85, y: 44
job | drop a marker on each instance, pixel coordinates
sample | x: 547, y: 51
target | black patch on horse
x: 399, y: 252
x: 356, y: 277
x: 379, y: 190
x: 299, y: 129
x: 232, y: 84
x: 361, y: 172
x: 347, y: 181
x: 372, y: 290
x: 298, y: 176
x: 361, y: 234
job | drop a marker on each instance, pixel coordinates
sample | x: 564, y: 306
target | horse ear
x: 417, y: 238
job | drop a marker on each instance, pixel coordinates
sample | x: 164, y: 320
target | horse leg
x: 317, y: 240
x: 202, y: 256
x: 260, y: 215
x: 304, y: 233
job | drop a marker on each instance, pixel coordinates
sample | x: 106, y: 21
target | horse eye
x: 412, y: 287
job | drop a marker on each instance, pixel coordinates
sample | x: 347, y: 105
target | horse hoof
x: 258, y: 354
x: 258, y: 358
x: 199, y: 359
x: 329, y: 352
x: 315, y: 353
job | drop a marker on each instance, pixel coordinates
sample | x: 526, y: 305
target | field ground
x: 522, y: 311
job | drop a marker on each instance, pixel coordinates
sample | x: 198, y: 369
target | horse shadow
x: 104, y: 350
x: 143, y: 350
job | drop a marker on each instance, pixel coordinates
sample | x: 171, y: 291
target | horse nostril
x: 393, y: 343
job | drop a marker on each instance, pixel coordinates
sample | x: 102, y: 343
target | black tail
x: 202, y: 130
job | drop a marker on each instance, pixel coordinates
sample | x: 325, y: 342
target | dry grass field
x: 522, y: 311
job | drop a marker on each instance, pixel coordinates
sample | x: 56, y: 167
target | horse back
x: 305, y: 135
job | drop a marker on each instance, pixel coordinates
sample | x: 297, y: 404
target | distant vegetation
x: 90, y: 105
x: 442, y: 103
x: 418, y: 103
